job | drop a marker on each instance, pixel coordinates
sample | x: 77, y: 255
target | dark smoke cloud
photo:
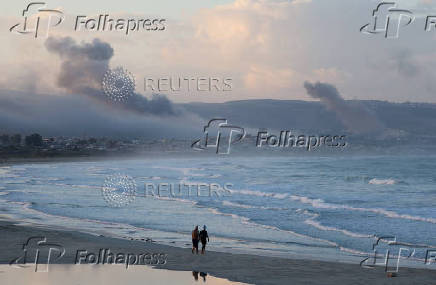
x: 87, y: 111
x: 50, y: 115
x: 82, y: 70
x: 67, y: 47
x: 355, y: 117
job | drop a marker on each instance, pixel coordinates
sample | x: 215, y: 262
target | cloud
x: 261, y: 78
x: 315, y: 40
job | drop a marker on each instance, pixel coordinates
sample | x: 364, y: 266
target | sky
x: 169, y: 8
x: 268, y: 48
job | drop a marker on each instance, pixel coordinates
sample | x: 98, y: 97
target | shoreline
x: 10, y: 161
x: 247, y: 268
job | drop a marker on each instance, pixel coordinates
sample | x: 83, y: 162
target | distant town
x: 36, y: 146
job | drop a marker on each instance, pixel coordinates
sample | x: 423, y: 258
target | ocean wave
x: 244, y: 206
x: 119, y: 230
x: 233, y: 216
x: 321, y: 204
x: 5, y: 172
x: 248, y: 221
x: 311, y: 221
x: 318, y: 225
x: 186, y: 201
x: 376, y: 181
x: 185, y: 170
x: 261, y: 194
x: 76, y: 186
x: 237, y: 205
x: 149, y: 178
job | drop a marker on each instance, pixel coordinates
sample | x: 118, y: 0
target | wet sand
x: 244, y: 268
x: 105, y: 275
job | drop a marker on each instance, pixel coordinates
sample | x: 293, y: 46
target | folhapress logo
x: 219, y: 135
x: 387, y: 20
x: 387, y: 252
x: 39, y: 252
x: 38, y: 18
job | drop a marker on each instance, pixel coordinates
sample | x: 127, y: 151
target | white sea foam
x: 261, y: 194
x: 318, y: 225
x: 237, y: 205
x: 376, y: 181
x: 5, y: 172
x: 176, y: 200
x: 312, y: 222
x: 76, y: 186
x: 233, y: 216
x: 244, y: 206
x: 247, y: 221
x: 321, y: 204
x: 150, y: 177
x: 185, y: 170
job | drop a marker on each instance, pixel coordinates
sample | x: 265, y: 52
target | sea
x: 332, y: 208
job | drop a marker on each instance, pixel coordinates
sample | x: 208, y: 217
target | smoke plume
x: 355, y: 117
x: 82, y: 70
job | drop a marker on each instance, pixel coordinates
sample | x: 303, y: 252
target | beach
x: 132, y: 132
x: 250, y: 269
x: 289, y: 231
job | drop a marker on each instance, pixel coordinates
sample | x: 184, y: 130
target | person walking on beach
x: 203, y: 237
x: 195, y: 238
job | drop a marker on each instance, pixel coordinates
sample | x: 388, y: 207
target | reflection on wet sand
x: 103, y: 274
x: 202, y: 274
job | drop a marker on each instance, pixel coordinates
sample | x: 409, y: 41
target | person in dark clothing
x: 204, y: 238
x: 195, y: 237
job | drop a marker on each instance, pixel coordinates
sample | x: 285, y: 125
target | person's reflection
x: 202, y: 274
x: 195, y: 274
